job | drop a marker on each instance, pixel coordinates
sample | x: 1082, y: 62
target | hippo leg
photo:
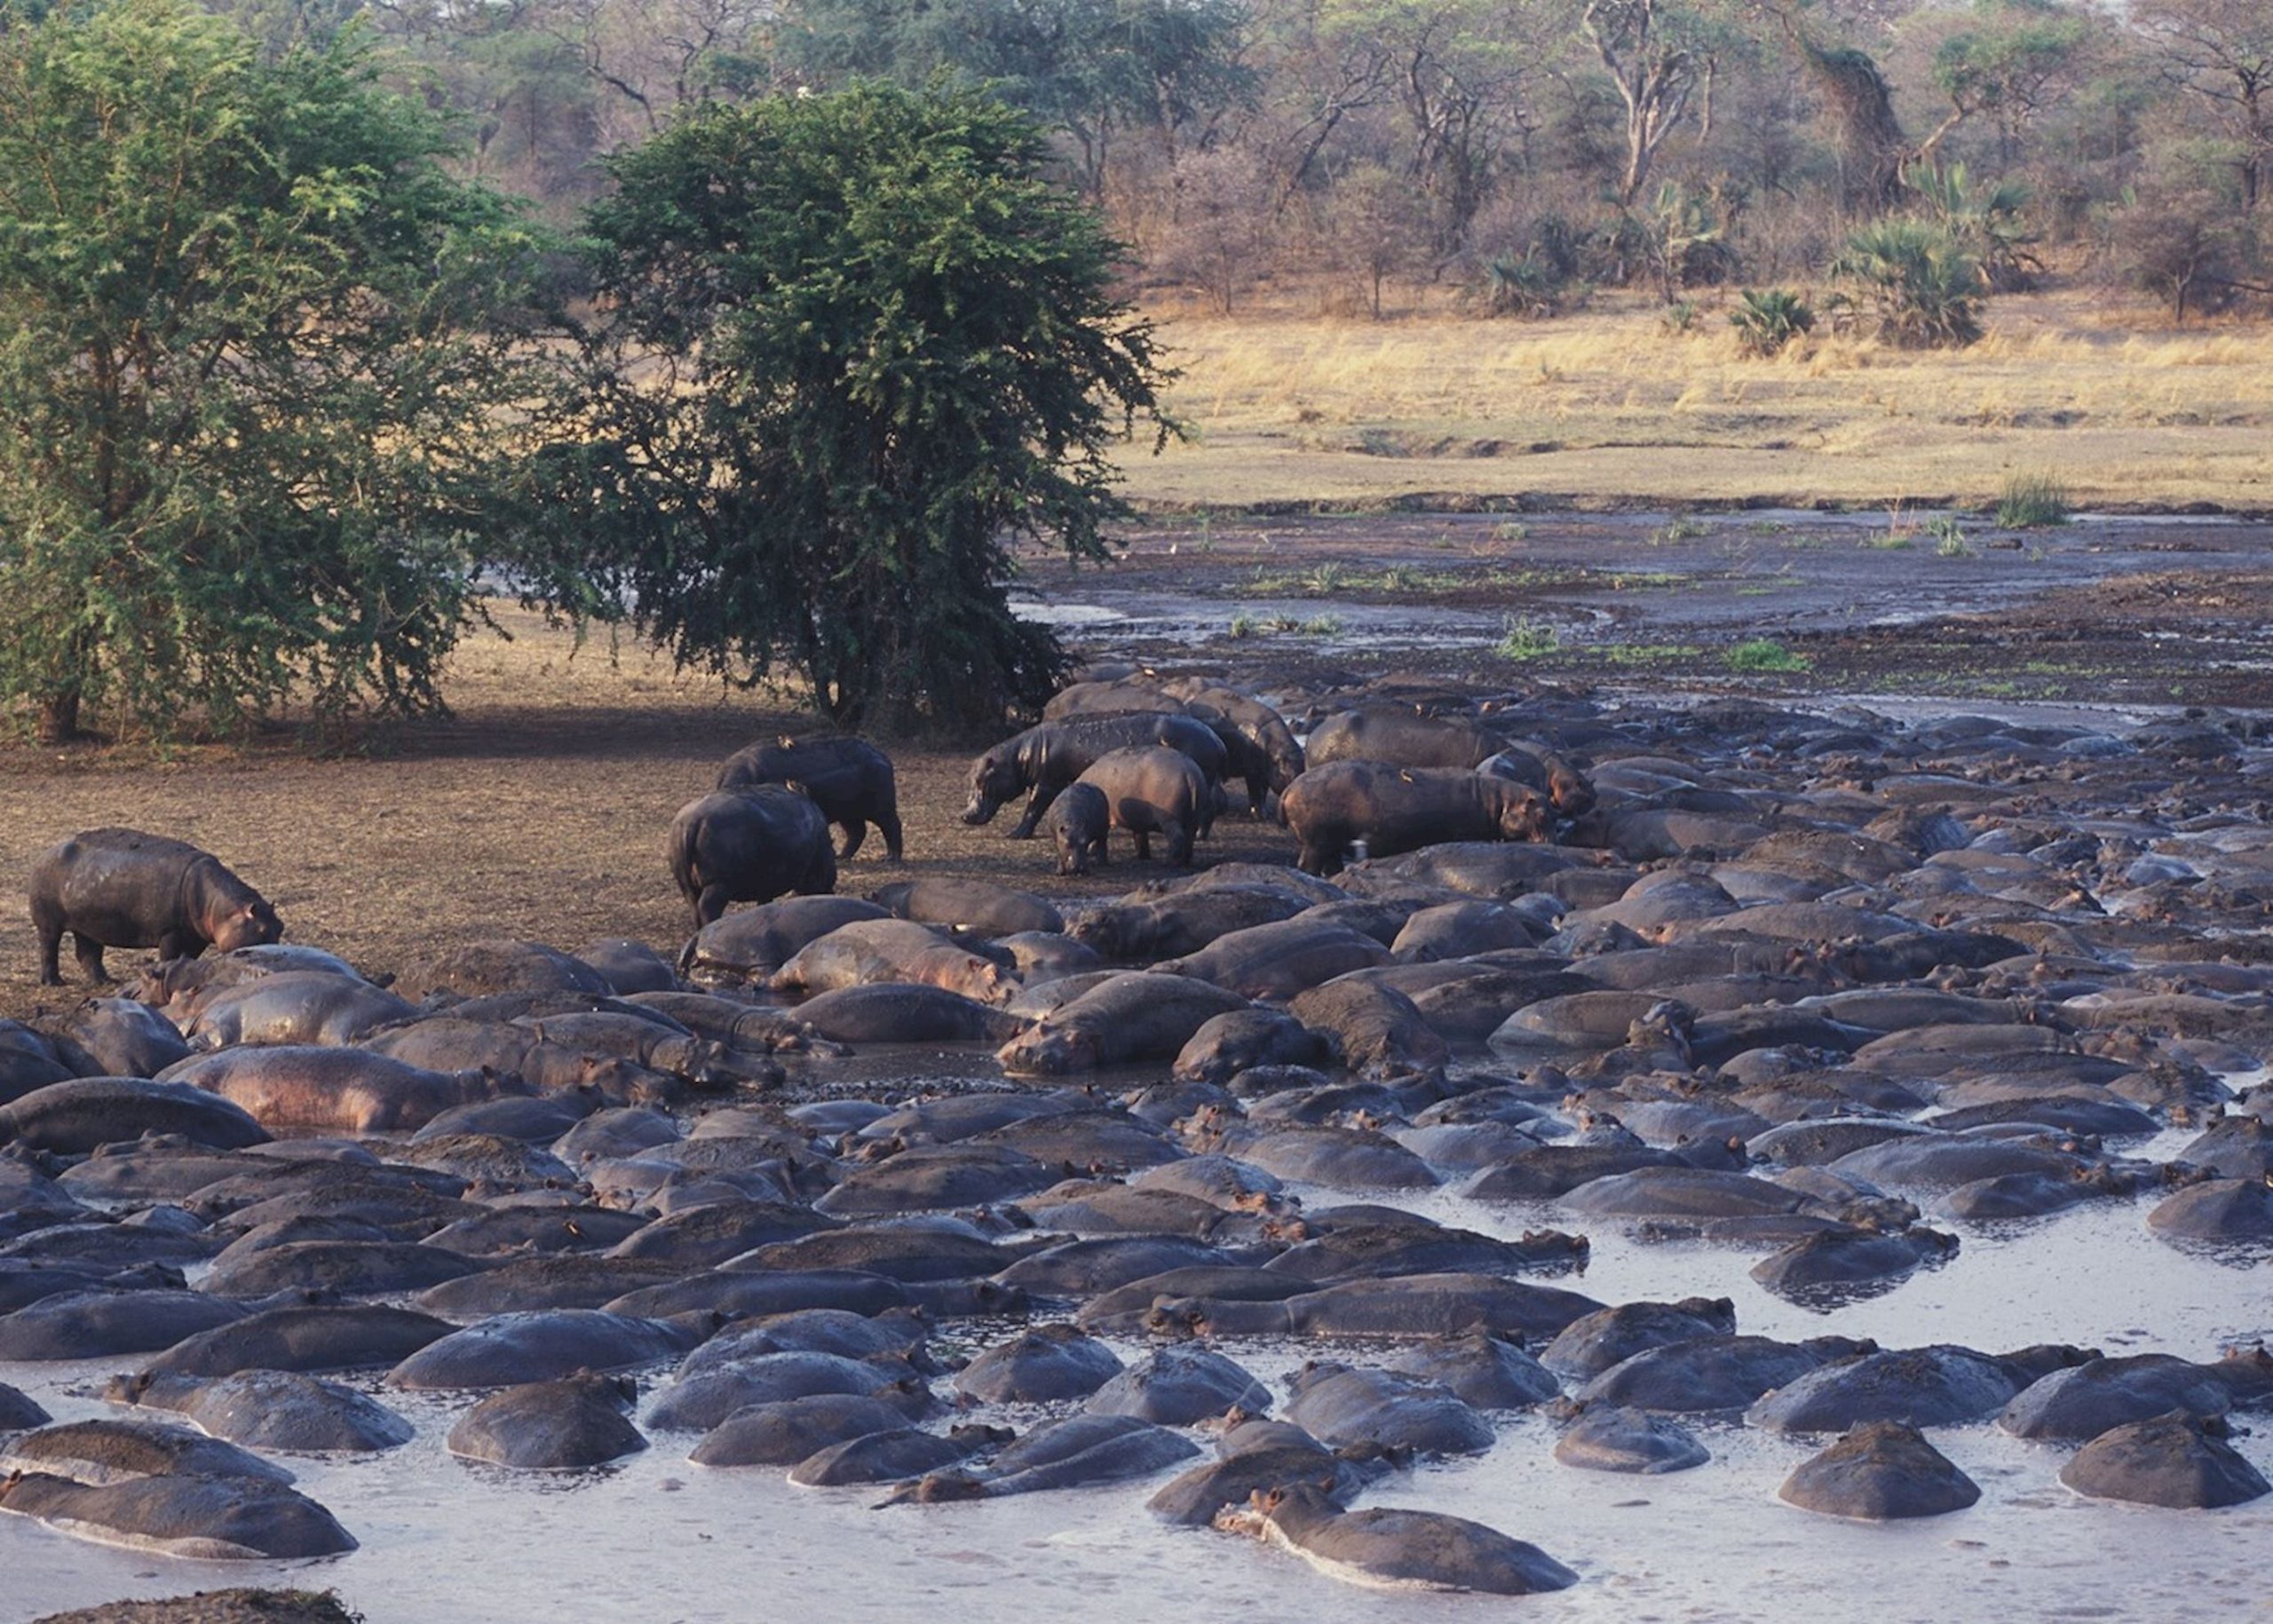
x: 1323, y: 859
x: 887, y: 822
x: 1258, y: 796
x: 89, y: 952
x: 710, y: 905
x: 855, y: 832
x: 1143, y: 839
x: 180, y: 945
x: 1043, y: 795
x: 48, y: 926
x: 1179, y: 838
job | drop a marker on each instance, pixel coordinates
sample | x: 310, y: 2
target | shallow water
x: 660, y: 1539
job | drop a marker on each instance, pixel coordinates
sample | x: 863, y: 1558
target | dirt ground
x: 538, y: 809
x: 219, y: 1607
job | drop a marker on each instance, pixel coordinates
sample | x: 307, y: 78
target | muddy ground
x: 538, y: 809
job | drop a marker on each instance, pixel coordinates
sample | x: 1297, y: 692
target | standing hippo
x: 749, y: 846
x: 1272, y: 758
x: 1153, y: 791
x: 1401, y: 809
x: 849, y: 779
x: 121, y: 888
x: 1078, y: 821
x: 1047, y: 759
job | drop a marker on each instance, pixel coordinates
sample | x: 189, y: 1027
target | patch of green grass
x: 1528, y: 640
x: 1892, y: 541
x: 1682, y: 528
x: 1398, y: 580
x: 1763, y: 654
x: 1320, y: 626
x: 1765, y: 589
x: 2032, y: 501
x: 1949, y: 538
x: 1662, y: 579
x: 1243, y: 626
x: 1650, y: 653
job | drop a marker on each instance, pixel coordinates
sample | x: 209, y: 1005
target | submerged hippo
x: 1880, y: 1471
x: 748, y: 846
x: 1611, y: 1438
x: 121, y: 888
x: 1079, y: 1450
x: 270, y: 1409
x: 1395, y: 1549
x: 2180, y: 1460
x: 209, y: 1519
x: 849, y: 779
x: 1393, y: 810
x: 563, y: 1425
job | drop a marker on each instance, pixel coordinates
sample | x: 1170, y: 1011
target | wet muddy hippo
x: 1129, y: 1017
x: 271, y: 1409
x: 313, y: 1338
x: 1181, y: 1387
x: 347, y: 1090
x: 748, y: 846
x: 117, y: 1037
x: 794, y: 1429
x: 1396, y: 1549
x: 899, y: 1456
x: 209, y: 1519
x: 1272, y: 757
x: 509, y: 1350
x: 1151, y: 791
x: 2082, y: 1401
x: 1878, y: 1472
x: 1047, y: 759
x: 750, y: 944
x: 1048, y: 1362
x: 1373, y: 1030
x: 849, y: 779
x: 576, y: 1421
x: 1140, y: 929
x: 873, y: 951
x: 904, y: 1012
x: 1714, y: 1373
x: 121, y: 888
x: 1280, y: 960
x: 1608, y: 1438
x: 72, y: 1118
x: 1077, y: 824
x: 1340, y: 1405
x: 1069, y: 1454
x: 99, y: 1453
x: 1402, y: 739
x: 295, y: 1007
x: 1488, y: 1372
x: 2179, y: 1461
x: 1392, y: 810
x: 1408, y: 1309
x: 703, y: 1396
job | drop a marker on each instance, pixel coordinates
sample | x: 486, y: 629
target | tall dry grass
x: 1608, y: 404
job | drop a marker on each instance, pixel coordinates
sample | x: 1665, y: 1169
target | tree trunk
x: 59, y: 716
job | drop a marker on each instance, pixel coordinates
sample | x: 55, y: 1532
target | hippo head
x: 253, y: 925
x: 1047, y: 1050
x: 1524, y: 814
x: 1176, y: 1316
x: 994, y: 780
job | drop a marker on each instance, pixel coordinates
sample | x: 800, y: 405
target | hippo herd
x: 1831, y: 993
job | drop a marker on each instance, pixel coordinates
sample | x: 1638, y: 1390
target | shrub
x: 1764, y: 654
x: 1771, y: 318
x: 1923, y: 287
x: 1527, y: 639
x: 2031, y: 501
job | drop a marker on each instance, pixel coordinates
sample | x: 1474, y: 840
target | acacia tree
x: 252, y: 337
x: 853, y: 345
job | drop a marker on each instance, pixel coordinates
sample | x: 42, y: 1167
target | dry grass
x: 539, y: 812
x: 1606, y: 405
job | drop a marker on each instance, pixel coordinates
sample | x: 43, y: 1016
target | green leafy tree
x: 855, y: 345
x: 251, y: 352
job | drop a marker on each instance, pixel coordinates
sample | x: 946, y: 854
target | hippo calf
x: 121, y: 888
x: 1078, y: 821
x: 1151, y: 791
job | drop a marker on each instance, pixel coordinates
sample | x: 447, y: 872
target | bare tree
x: 1662, y: 65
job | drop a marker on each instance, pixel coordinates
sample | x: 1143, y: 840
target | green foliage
x: 1525, y: 285
x: 1949, y: 537
x: 1922, y: 288
x: 2031, y: 501
x: 252, y: 342
x: 1763, y: 654
x: 1984, y: 219
x: 1527, y: 639
x: 1766, y: 320
x: 853, y: 346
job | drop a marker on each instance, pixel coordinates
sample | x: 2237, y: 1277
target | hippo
x: 1141, y: 928
x: 903, y: 1453
x: 1373, y: 1030
x: 506, y: 1349
x: 345, y: 1268
x: 1402, y: 739
x: 1280, y: 960
x: 2222, y: 1210
x: 72, y: 1118
x: 295, y: 1007
x: 1338, y: 1405
x: 1151, y: 791
x: 904, y: 1012
x: 562, y: 1425
x: 121, y: 888
x: 1078, y: 821
x: 1047, y: 759
x: 1488, y: 1372
x: 1939, y: 1386
x: 1552, y: 1170
x: 748, y: 846
x: 1608, y: 1438
x: 18, y: 1413
x: 1714, y: 1373
x: 343, y: 1088
x: 2082, y: 1401
x: 737, y: 1294
x: 1395, y: 1550
x: 1255, y: 1456
x: 791, y: 1430
x: 270, y: 1409
x: 875, y: 951
x: 1879, y: 1471
x: 752, y: 943
x: 117, y: 1037
x: 226, y: 1518
x: 925, y: 1177
x: 97, y: 1453
x: 1181, y: 1387
x: 849, y: 779
x: 1272, y: 757
x: 1227, y: 1045
x: 2180, y: 1460
x: 1044, y: 1363
x: 1069, y: 1454
x: 701, y: 1397
x: 1126, y: 1018
x: 1393, y: 810
x: 308, y: 1339
x: 1407, y: 1308
x: 967, y: 908
x: 1840, y: 1264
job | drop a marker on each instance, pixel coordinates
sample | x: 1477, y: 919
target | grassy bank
x: 1611, y: 405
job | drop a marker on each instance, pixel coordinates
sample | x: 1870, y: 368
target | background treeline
x: 1517, y: 151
